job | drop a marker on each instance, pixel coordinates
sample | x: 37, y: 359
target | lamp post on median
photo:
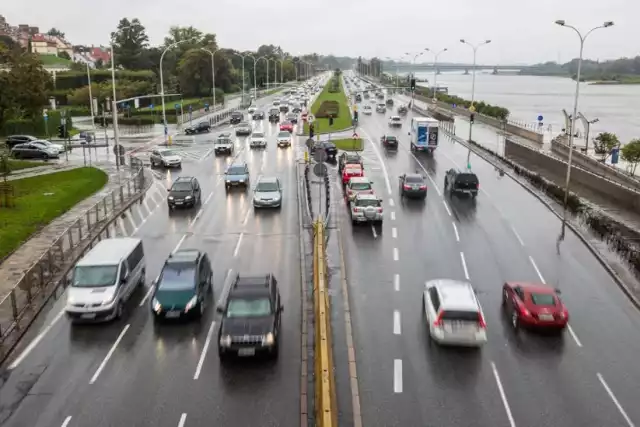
x: 243, y: 79
x: 435, y: 71
x: 267, y: 61
x: 275, y: 70
x: 562, y: 23
x: 413, y: 75
x: 255, y: 87
x: 171, y: 46
x: 473, y: 90
x: 213, y: 73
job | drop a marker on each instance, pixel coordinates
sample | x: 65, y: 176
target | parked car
x: 14, y: 140
x: 32, y: 150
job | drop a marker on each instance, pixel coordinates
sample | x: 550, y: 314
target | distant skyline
x: 521, y: 32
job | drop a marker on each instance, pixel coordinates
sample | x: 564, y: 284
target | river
x: 527, y: 97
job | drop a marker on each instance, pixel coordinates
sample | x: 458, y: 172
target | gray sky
x: 522, y: 31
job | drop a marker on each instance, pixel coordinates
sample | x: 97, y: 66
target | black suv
x: 258, y: 115
x: 347, y: 158
x: 274, y: 115
x: 199, y: 128
x: 328, y: 146
x: 185, y: 192
x: 251, y: 314
x: 461, y: 182
x: 236, y: 117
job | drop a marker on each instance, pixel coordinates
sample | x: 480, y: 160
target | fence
x: 43, y: 278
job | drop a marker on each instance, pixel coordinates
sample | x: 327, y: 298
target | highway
x: 134, y: 373
x: 589, y: 376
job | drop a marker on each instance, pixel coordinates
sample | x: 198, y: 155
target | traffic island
x: 349, y: 144
x: 332, y: 102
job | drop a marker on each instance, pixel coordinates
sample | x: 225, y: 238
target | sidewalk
x: 40, y: 170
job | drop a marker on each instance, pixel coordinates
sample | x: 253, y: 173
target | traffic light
x: 413, y: 84
x: 472, y: 117
x: 311, y: 130
x: 61, y: 131
x: 331, y: 120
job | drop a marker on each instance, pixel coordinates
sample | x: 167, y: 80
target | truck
x: 424, y: 134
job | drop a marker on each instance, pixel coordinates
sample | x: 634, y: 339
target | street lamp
x: 562, y: 23
x: 255, y: 87
x: 413, y: 74
x: 435, y: 71
x: 213, y: 73
x: 473, y: 90
x: 243, y: 82
x: 275, y: 70
x: 171, y: 46
x: 267, y: 61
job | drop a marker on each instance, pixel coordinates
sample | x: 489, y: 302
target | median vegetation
x: 332, y: 101
x: 349, y: 144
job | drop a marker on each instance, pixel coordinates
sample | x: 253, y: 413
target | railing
x: 43, y: 279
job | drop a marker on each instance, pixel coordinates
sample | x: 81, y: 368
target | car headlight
x: 156, y: 305
x: 228, y: 181
x: 268, y: 340
x: 225, y: 341
x: 192, y: 302
x: 109, y: 299
x: 241, y: 180
x: 188, y: 198
x: 170, y: 197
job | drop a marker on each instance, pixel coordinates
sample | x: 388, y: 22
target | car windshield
x: 243, y: 124
x: 236, y: 170
x: 286, y: 124
x: 245, y: 307
x: 177, y: 278
x: 235, y: 114
x: 391, y: 138
x: 543, y: 299
x: 95, y: 276
x: 266, y: 186
x: 223, y: 141
x: 414, y: 180
x: 181, y: 186
x: 257, y: 135
x: 395, y: 119
x: 464, y: 316
x: 167, y: 153
x: 367, y: 202
x: 284, y: 134
x: 360, y: 186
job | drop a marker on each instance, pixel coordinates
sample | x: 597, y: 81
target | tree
x: 604, y: 143
x: 9, y: 43
x: 631, y: 154
x: 194, y: 73
x: 64, y: 54
x: 54, y: 32
x: 129, y: 42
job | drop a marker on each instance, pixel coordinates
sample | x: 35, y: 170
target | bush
x: 481, y: 107
x: 36, y: 127
x: 133, y: 121
x: 70, y: 80
x: 328, y: 108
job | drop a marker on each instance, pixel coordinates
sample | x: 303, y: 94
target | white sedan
x: 258, y: 140
x: 395, y: 121
x: 367, y: 110
x: 284, y: 139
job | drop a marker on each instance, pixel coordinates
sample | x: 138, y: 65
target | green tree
x: 9, y: 43
x: 63, y: 54
x: 129, y: 43
x: 604, y: 143
x: 54, y: 32
x: 194, y: 73
x: 631, y: 154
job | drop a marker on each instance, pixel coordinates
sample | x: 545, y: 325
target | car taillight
x: 524, y: 311
x: 380, y: 209
x: 438, y: 322
x: 481, y: 323
x: 423, y: 187
x: 407, y: 187
x: 478, y: 186
x: 357, y: 209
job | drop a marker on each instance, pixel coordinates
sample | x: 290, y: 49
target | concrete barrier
x: 623, y: 195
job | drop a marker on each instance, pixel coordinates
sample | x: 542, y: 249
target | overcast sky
x: 522, y: 32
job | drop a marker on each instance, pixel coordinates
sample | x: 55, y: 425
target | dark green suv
x: 183, y: 287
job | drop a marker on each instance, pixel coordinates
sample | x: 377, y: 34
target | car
x: 49, y: 145
x: 367, y: 110
x: 250, y: 321
x: 402, y: 110
x: 258, y: 140
x: 184, y: 192
x: 251, y: 110
x: 223, y: 144
x: 534, y: 306
x: 461, y: 182
x: 347, y: 158
x: 284, y: 139
x: 288, y: 126
x: 236, y: 117
x: 165, y: 157
x: 389, y: 102
x: 351, y: 170
x: 274, y: 115
x: 292, y: 117
x: 267, y: 193
x: 389, y: 142
x: 328, y: 146
x: 14, y: 140
x: 379, y: 95
x: 395, y: 121
x: 284, y: 108
x: 201, y: 127
x: 33, y: 150
x: 366, y: 95
x: 358, y: 185
x: 243, y: 128
x: 358, y: 97
x: 413, y: 185
x: 453, y: 313
x: 258, y: 115
x: 381, y: 108
x: 296, y: 108
x: 237, y: 175
x: 184, y: 287
x: 276, y: 103
x: 366, y: 208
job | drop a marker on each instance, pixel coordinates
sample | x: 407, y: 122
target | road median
x: 332, y: 101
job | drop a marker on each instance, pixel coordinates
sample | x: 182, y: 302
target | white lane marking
x: 426, y: 173
x: 109, y: 354
x: 148, y: 294
x: 246, y: 217
x: 396, y: 322
x: 396, y: 282
x: 146, y: 205
x: 394, y: 233
x: 140, y: 211
x: 395, y: 254
x: 208, y: 198
x: 382, y: 164
x: 36, y: 341
x: 503, y: 395
x: 373, y: 231
x: 237, y: 249
x: 225, y: 290
x: 66, y: 421
x: 517, y: 235
x: 444, y: 202
x: 615, y: 400
x: 535, y: 266
x: 207, y: 154
x: 133, y: 224
x: 195, y: 218
x: 397, y: 375
x: 574, y: 336
x: 205, y: 349
x: 183, y: 420
x: 464, y: 265
x: 180, y: 242
x: 455, y: 230
x: 391, y: 203
x: 393, y: 216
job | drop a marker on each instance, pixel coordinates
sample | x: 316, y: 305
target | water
x: 529, y: 96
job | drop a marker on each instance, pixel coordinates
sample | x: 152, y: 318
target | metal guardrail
x: 325, y: 397
x: 38, y: 283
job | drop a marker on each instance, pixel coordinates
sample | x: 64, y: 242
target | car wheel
x: 223, y: 355
x: 515, y: 321
x: 200, y: 311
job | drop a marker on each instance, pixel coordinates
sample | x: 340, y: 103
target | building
x: 43, y: 45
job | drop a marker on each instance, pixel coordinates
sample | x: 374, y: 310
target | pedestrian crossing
x: 136, y: 216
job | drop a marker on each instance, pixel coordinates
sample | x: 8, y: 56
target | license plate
x: 178, y: 203
x: 415, y: 187
x: 247, y: 352
x: 173, y: 314
x: 547, y: 317
x: 88, y: 316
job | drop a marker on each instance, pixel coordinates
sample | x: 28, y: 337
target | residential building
x: 43, y: 45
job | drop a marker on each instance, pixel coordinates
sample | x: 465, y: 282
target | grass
x: 41, y: 199
x: 343, y: 121
x: 349, y: 144
x: 54, y: 60
x: 16, y: 165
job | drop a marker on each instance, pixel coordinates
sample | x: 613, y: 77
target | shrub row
x: 328, y: 108
x: 70, y: 80
x: 36, y: 127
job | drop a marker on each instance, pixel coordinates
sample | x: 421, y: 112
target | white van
x: 104, y: 279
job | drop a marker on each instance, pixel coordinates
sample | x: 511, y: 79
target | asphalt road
x: 589, y: 376
x: 133, y: 373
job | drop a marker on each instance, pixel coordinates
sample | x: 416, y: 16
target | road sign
x: 320, y: 169
x: 177, y: 106
x: 355, y: 136
x: 454, y: 105
x: 44, y: 113
x: 615, y: 155
x: 320, y: 155
x: 311, y: 118
x: 151, y: 106
x: 118, y: 149
x: 206, y: 105
x: 540, y: 118
x: 190, y: 108
x: 45, y: 117
x: 472, y: 109
x: 309, y: 143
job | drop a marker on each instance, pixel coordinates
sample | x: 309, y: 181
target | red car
x: 288, y: 126
x: 350, y: 171
x: 535, y: 306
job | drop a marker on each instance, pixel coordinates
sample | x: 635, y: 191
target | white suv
x: 453, y: 313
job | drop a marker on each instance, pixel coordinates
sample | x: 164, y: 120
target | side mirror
x: 409, y: 133
x: 219, y: 309
x: 281, y: 308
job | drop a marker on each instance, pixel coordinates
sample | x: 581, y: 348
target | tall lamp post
x: 472, y: 109
x: 171, y: 46
x: 213, y: 73
x: 267, y: 61
x: 255, y: 61
x: 562, y: 23
x: 275, y: 70
x: 243, y: 79
x: 435, y: 71
x: 413, y: 74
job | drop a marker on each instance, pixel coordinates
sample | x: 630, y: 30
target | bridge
x: 404, y: 68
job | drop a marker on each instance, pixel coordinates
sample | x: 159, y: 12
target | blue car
x: 237, y: 175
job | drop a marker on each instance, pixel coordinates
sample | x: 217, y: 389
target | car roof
x: 183, y: 256
x: 109, y: 251
x: 362, y: 196
x: 225, y: 135
x: 353, y: 166
x: 539, y: 288
x: 349, y: 156
x: 251, y: 284
x: 184, y: 178
x: 268, y: 179
x: 414, y: 175
x: 237, y: 164
x: 455, y: 295
x: 258, y: 132
x: 359, y: 179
